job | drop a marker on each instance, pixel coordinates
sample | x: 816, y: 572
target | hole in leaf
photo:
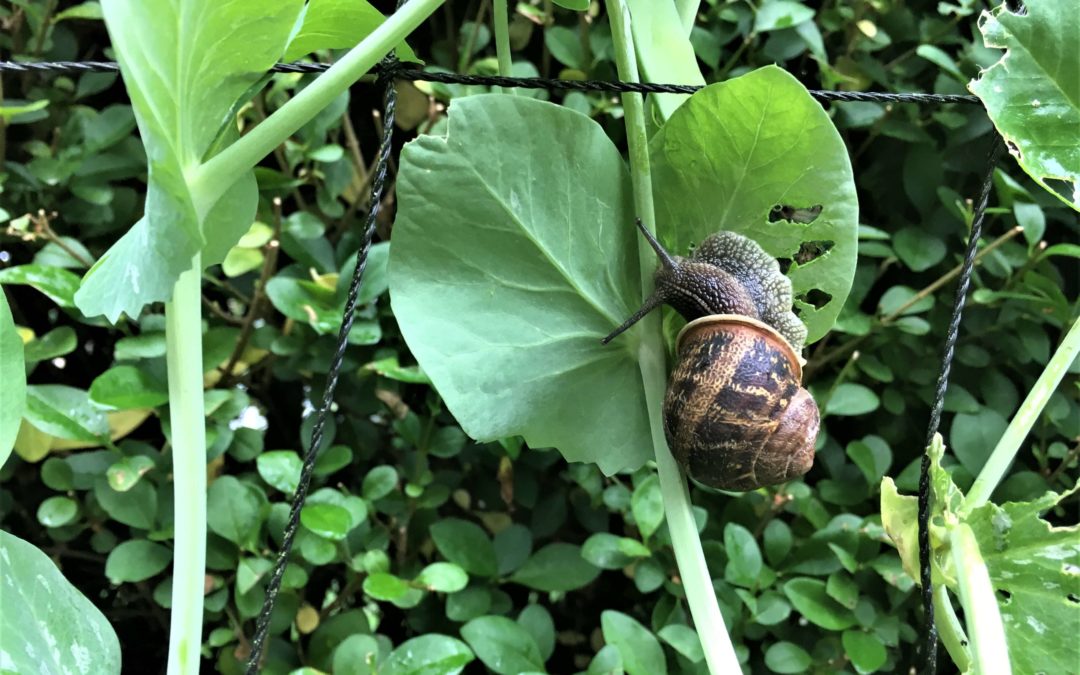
x: 794, y: 214
x: 1074, y: 598
x: 1006, y: 597
x: 785, y: 264
x: 812, y: 250
x: 815, y: 297
x: 1064, y: 189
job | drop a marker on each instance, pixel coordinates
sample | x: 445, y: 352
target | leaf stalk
x: 210, y: 180
x: 1018, y: 429
x: 981, y: 612
x: 187, y: 423
x: 678, y: 509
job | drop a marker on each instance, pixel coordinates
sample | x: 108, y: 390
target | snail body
x: 735, y: 414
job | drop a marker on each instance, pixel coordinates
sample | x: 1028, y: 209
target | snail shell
x: 735, y: 415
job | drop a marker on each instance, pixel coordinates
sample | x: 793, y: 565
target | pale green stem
x: 209, y: 181
x: 981, y: 612
x: 950, y: 629
x: 1021, y: 424
x: 187, y: 422
x: 700, y: 595
x: 688, y: 10
x: 502, y: 41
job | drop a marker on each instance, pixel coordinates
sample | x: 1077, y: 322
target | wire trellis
x: 391, y: 70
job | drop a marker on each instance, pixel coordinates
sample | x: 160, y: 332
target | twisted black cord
x: 401, y: 71
x: 927, y: 590
x: 377, y: 185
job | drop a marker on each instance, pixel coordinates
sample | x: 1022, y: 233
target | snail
x: 735, y: 414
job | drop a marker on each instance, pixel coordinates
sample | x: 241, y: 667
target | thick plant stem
x: 209, y: 181
x: 700, y: 595
x: 981, y: 612
x: 688, y: 10
x: 502, y: 41
x: 187, y: 422
x: 951, y: 631
x: 1006, y: 448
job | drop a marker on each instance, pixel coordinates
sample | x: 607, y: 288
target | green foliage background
x: 420, y: 544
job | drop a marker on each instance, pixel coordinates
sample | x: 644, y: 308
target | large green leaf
x: 736, y: 150
x: 185, y: 64
x: 1032, y: 564
x: 47, y: 625
x: 1033, y: 93
x: 1035, y: 570
x: 663, y: 49
x: 13, y: 375
x: 337, y: 24
x: 514, y: 252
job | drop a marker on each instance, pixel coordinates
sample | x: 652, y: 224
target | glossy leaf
x: 501, y: 269
x: 647, y: 505
x: 466, y: 544
x: 427, y: 655
x: 280, y: 468
x: 65, y: 412
x: 865, y: 650
x: 57, y: 283
x: 57, y: 342
x: 136, y: 560
x: 787, y: 657
x: 684, y: 640
x: 233, y: 510
x: 47, y: 625
x: 744, y: 556
x: 443, y: 577
x: 57, y: 511
x: 1033, y: 93
x: 640, y: 650
x: 811, y: 600
x: 556, y: 567
x: 973, y: 437
x: 13, y: 375
x: 505, y: 647
x: 778, y: 14
x: 537, y: 621
x: 126, y: 388
x: 851, y: 398
x: 738, y: 149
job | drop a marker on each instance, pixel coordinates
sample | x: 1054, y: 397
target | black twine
x: 377, y: 185
x: 389, y: 71
x: 927, y: 590
x: 401, y: 71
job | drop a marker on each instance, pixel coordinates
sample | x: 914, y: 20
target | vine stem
x: 187, y: 423
x: 688, y: 10
x: 502, y: 41
x: 981, y: 613
x: 1006, y: 448
x: 210, y: 180
x: 700, y: 594
x: 951, y: 631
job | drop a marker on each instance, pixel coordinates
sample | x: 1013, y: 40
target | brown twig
x: 1068, y: 459
x: 816, y: 364
x: 270, y: 255
x: 220, y: 313
x: 950, y: 275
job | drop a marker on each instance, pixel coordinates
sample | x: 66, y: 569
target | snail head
x: 694, y: 288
